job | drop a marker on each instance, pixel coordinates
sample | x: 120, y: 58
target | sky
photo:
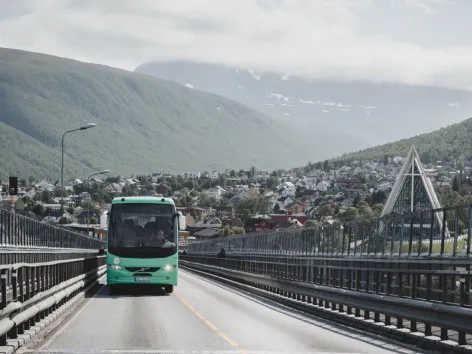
x: 424, y: 42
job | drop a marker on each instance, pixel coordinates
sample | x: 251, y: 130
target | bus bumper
x: 157, y: 278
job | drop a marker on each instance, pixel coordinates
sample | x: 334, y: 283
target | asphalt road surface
x: 200, y: 316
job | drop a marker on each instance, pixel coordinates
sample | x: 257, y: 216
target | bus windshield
x: 142, y: 226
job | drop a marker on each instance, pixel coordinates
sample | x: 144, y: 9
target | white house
x: 192, y: 174
x: 323, y: 186
x: 287, y: 189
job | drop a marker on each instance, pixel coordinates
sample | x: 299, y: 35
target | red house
x: 280, y: 218
x: 258, y: 225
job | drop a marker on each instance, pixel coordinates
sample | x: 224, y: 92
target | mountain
x: 451, y: 143
x: 144, y: 124
x: 347, y: 115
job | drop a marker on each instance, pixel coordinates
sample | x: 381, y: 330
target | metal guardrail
x: 38, y: 289
x: 422, y: 298
x: 20, y: 231
x: 40, y: 255
x: 426, y: 233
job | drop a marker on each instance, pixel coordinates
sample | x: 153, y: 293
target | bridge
x: 397, y: 284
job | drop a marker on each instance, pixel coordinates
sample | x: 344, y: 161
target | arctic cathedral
x: 408, y: 208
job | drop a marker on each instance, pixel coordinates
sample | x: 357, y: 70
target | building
x: 412, y: 194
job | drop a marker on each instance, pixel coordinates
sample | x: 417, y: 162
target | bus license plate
x: 141, y: 279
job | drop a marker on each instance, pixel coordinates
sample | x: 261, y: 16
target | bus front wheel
x: 169, y: 289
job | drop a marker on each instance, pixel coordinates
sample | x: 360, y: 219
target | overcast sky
x: 409, y: 41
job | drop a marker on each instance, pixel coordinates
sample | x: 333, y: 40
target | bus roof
x: 137, y: 200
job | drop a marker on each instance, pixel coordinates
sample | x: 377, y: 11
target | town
x: 240, y: 202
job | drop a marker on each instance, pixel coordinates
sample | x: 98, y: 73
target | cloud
x: 427, y: 6
x: 322, y: 39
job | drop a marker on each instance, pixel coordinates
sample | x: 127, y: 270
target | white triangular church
x: 413, y: 190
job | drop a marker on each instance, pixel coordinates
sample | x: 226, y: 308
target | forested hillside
x: 450, y: 143
x: 144, y: 124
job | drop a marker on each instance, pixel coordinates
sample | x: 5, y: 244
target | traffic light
x: 13, y: 188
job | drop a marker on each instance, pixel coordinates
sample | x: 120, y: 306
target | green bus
x: 142, y: 242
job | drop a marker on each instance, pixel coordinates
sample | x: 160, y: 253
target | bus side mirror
x: 182, y: 222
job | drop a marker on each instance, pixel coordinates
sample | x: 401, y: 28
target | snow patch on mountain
x: 254, y: 75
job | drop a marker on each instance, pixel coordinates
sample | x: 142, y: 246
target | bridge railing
x: 423, y: 301
x: 19, y: 231
x: 31, y: 292
x: 437, y: 232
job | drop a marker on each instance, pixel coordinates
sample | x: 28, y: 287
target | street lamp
x: 87, y: 180
x: 84, y: 127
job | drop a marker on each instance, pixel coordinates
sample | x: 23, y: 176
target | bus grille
x: 141, y: 269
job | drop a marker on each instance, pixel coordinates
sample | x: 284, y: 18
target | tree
x: 252, y: 206
x: 385, y: 159
x: 38, y: 209
x: 206, y: 200
x: 326, y: 166
x: 272, y: 182
x: 311, y: 223
x: 238, y: 230
x: 455, y: 183
x: 222, y: 180
x: 276, y: 209
x: 46, y: 197
x: 350, y: 214
x: 252, y: 172
x: 377, y: 209
x: 325, y: 210
x: 365, y: 211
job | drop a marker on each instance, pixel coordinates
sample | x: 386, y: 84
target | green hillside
x: 453, y: 142
x: 143, y: 124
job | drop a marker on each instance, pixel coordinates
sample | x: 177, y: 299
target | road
x: 200, y: 316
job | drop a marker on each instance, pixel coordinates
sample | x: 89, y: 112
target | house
x: 232, y: 222
x: 85, y: 214
x: 216, y: 192
x: 192, y: 174
x: 258, y: 225
x: 54, y: 216
x: 323, y: 186
x: 287, y: 189
x: 289, y: 225
x: 205, y: 229
x: 288, y: 216
x: 225, y: 211
x: 163, y: 188
x: 195, y: 212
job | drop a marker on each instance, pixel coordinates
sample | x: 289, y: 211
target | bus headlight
x: 168, y: 267
x: 115, y: 266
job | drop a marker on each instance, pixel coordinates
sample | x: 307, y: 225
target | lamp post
x: 87, y: 181
x: 84, y: 127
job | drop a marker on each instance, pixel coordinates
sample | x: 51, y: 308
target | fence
x: 438, y: 232
x: 19, y: 231
x: 423, y: 301
x: 30, y: 292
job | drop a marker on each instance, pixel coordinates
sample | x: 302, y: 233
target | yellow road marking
x: 209, y: 324
x: 200, y: 316
x: 228, y: 339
